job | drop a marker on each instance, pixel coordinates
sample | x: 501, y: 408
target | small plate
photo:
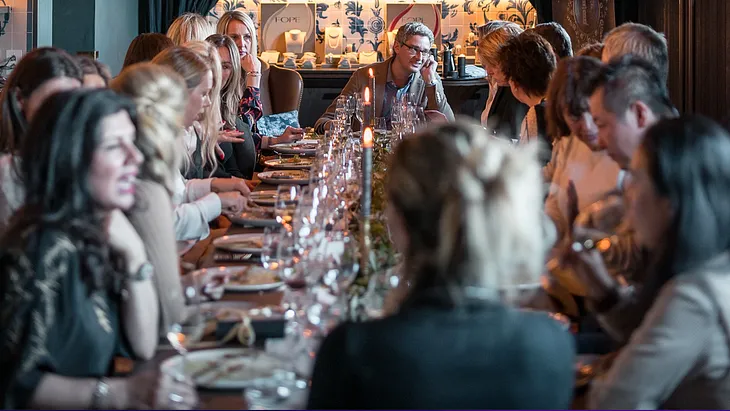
x: 255, y: 218
x: 234, y: 313
x: 224, y: 368
x: 253, y: 278
x: 300, y: 147
x: 263, y: 197
x: 284, y: 177
x: 241, y: 243
x: 292, y: 163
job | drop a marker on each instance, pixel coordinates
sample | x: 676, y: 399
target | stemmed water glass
x: 191, y: 328
x: 287, y: 197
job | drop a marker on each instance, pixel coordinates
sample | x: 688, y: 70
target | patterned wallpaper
x: 364, y: 21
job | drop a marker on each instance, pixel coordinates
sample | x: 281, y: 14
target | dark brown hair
x: 558, y: 38
x: 529, y: 61
x: 145, y: 47
x: 569, y: 90
x: 34, y: 69
x: 90, y: 67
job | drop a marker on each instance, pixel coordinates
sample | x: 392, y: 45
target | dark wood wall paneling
x: 698, y: 35
x: 711, y: 40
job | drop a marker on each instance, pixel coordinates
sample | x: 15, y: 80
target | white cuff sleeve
x: 197, y: 188
x: 191, y: 219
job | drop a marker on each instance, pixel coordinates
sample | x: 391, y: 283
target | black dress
x: 50, y: 320
x: 506, y: 114
x: 434, y: 355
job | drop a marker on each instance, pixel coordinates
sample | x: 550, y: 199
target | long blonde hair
x: 189, y: 27
x: 211, y: 120
x: 244, y: 18
x: 476, y: 221
x: 160, y: 95
x: 232, y: 90
x: 192, y: 67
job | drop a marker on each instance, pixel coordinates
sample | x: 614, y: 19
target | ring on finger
x: 176, y: 398
x: 586, y: 245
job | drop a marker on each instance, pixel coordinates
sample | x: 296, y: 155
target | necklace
x: 334, y: 37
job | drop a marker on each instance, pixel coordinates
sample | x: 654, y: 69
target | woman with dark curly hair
x: 76, y: 289
x: 528, y: 62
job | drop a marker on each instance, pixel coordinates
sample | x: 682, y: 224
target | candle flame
x: 370, y: 71
x: 367, y: 94
x: 367, y: 138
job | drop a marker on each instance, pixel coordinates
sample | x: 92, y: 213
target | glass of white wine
x: 287, y: 197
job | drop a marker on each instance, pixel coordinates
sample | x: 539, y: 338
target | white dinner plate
x: 263, y: 197
x: 290, y: 163
x: 284, y: 177
x: 241, y: 243
x: 252, y: 278
x: 224, y: 368
x: 302, y: 147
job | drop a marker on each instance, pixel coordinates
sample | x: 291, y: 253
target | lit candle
x: 372, y: 90
x: 366, y: 111
x: 367, y: 171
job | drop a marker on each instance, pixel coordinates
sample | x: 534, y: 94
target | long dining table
x: 202, y: 255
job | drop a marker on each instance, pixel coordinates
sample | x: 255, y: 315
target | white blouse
x: 594, y: 174
x: 194, y: 206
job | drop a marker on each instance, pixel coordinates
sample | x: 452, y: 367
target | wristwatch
x: 144, y: 272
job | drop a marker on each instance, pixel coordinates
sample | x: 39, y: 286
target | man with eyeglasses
x: 410, y: 73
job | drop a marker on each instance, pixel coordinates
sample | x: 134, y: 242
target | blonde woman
x: 242, y: 30
x: 160, y: 96
x: 189, y: 27
x: 198, y: 201
x: 231, y: 94
x: 503, y: 113
x: 208, y: 124
x: 470, y: 234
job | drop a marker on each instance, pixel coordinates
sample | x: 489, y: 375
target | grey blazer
x: 430, y: 98
x: 679, y: 357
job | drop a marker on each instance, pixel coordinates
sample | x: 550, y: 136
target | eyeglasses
x: 413, y: 50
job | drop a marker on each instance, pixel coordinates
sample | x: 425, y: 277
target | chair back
x: 283, y: 92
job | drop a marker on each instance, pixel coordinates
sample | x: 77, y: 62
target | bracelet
x: 253, y: 73
x: 100, y: 392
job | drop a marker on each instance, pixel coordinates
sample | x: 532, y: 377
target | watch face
x: 145, y: 272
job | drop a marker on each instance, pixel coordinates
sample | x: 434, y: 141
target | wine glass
x: 287, y: 197
x: 191, y: 328
x: 269, y: 259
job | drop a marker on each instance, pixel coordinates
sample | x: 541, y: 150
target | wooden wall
x: 698, y: 35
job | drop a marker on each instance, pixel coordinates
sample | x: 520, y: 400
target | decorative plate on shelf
x: 284, y: 177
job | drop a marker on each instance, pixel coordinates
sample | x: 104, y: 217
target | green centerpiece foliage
x: 382, y: 253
